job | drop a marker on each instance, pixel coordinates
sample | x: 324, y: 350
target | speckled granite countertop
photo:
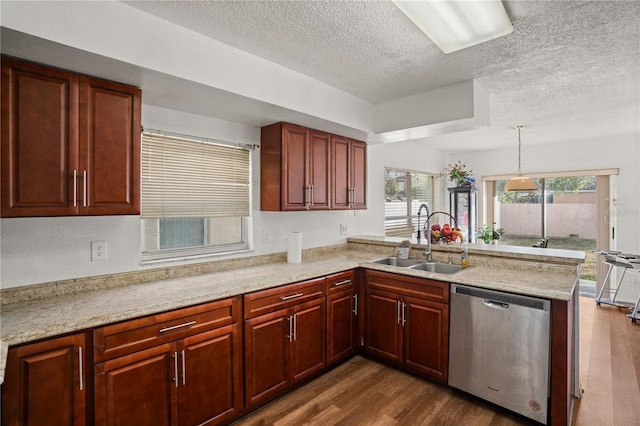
x: 543, y: 275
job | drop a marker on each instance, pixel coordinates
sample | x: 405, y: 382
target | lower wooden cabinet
x: 342, y: 316
x: 407, y: 323
x: 193, y: 380
x: 286, y: 345
x: 45, y: 383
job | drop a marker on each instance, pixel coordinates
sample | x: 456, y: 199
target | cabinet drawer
x: 422, y: 288
x: 343, y: 281
x: 265, y: 301
x: 134, y: 335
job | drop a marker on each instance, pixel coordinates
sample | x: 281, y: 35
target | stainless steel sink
x: 440, y: 268
x: 396, y: 261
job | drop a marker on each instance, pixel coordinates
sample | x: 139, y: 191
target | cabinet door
x: 138, y: 389
x: 109, y: 147
x: 384, y: 325
x: 426, y: 338
x: 319, y: 169
x: 266, y: 356
x: 295, y: 156
x: 308, y: 342
x: 341, y: 326
x: 358, y: 175
x: 210, y: 384
x: 45, y: 383
x: 340, y: 165
x: 39, y: 140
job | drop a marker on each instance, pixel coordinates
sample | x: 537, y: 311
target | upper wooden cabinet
x: 349, y: 173
x: 70, y: 143
x: 299, y: 170
x: 294, y: 168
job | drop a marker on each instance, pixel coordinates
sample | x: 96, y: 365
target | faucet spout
x: 426, y: 228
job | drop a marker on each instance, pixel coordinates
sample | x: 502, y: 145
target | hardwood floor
x: 363, y: 392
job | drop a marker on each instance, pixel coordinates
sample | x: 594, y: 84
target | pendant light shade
x: 520, y: 182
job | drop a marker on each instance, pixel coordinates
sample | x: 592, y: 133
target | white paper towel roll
x: 294, y: 250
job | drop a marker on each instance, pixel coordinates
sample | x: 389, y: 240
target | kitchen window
x: 195, y: 197
x: 405, y: 191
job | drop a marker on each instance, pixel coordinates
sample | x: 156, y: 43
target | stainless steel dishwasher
x: 499, y: 349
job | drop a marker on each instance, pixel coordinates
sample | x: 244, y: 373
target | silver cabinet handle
x: 186, y: 324
x: 175, y: 368
x: 293, y: 296
x: 355, y: 304
x: 184, y: 369
x: 404, y: 308
x: 311, y: 197
x: 290, y: 335
x: 342, y: 283
x: 353, y: 196
x: 81, y: 367
x: 84, y: 189
x: 307, y: 195
x: 398, y: 311
x: 75, y: 188
x: 295, y: 327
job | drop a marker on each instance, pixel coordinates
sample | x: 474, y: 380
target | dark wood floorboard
x: 364, y: 392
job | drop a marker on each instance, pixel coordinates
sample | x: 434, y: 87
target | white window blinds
x: 184, y: 177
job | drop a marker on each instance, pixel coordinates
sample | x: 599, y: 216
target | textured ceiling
x: 570, y: 69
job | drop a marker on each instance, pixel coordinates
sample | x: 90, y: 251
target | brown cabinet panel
x: 341, y: 326
x: 211, y: 378
x: 266, y: 356
x: 39, y: 140
x: 342, y: 316
x: 319, y: 169
x: 285, y: 338
x: 348, y: 173
x: 110, y: 146
x: 407, y: 323
x: 265, y: 301
x: 384, y: 329
x: 184, y: 367
x: 45, y: 383
x: 70, y: 143
x: 340, y: 172
x: 138, y: 389
x: 308, y: 346
x: 426, y: 338
x: 294, y: 167
x: 133, y: 335
x: 359, y: 174
x: 306, y: 169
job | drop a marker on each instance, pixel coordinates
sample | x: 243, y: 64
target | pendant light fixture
x: 520, y: 182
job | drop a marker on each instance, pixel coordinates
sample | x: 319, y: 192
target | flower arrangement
x: 458, y: 172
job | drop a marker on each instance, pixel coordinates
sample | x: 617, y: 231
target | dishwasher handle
x: 495, y: 304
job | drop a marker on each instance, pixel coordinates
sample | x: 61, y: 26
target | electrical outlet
x: 343, y: 229
x: 98, y: 251
x: 266, y: 236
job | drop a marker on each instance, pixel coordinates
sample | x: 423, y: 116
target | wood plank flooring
x: 363, y: 392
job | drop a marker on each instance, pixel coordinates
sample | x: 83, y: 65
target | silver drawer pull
x: 293, y: 296
x: 186, y: 324
x: 342, y: 283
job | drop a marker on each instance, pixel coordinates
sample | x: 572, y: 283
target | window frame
x: 245, y: 244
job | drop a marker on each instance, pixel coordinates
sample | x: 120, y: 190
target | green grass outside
x: 588, y: 270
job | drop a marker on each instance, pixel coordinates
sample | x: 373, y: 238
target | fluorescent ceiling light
x: 456, y: 24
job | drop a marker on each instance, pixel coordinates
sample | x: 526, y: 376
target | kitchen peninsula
x: 44, y: 311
